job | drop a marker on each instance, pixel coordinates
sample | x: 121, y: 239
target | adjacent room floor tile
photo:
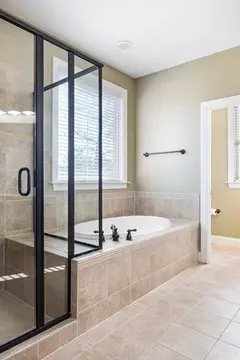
x: 204, y: 322
x: 159, y: 352
x: 188, y: 342
x: 218, y: 307
x: 223, y: 351
x: 217, y: 256
x: 232, y: 334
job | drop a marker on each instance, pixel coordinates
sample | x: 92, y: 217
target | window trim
x: 232, y: 183
x: 59, y: 185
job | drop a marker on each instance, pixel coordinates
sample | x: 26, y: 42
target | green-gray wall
x: 168, y: 118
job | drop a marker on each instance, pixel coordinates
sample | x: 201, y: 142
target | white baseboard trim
x: 225, y: 240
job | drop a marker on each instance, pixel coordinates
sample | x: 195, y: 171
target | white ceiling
x: 164, y: 33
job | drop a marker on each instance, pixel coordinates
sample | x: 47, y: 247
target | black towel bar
x: 182, y: 151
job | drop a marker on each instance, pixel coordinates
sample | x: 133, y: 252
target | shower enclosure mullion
x: 100, y: 213
x: 65, y: 80
x: 71, y: 183
x: 39, y: 181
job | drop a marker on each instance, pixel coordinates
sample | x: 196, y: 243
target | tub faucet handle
x: 97, y: 232
x: 129, y: 234
x: 115, y: 234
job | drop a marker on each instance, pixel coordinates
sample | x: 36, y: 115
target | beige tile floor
x: 195, y: 315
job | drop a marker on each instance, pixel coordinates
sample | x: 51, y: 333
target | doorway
x: 206, y: 167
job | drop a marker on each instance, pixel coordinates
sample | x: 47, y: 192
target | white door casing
x: 205, y: 196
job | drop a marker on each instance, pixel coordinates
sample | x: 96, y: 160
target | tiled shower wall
x: 115, y: 203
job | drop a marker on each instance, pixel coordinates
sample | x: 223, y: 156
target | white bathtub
x: 145, y: 225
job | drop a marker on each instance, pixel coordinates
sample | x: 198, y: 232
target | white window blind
x: 87, y: 130
x: 237, y: 142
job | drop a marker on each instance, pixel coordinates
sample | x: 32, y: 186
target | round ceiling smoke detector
x: 125, y: 45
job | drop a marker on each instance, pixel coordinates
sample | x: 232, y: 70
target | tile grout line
x: 145, y: 352
x: 211, y: 349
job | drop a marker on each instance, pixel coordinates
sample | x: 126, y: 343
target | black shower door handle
x: 28, y: 190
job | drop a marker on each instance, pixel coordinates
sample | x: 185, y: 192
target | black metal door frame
x: 39, y: 181
x: 38, y: 212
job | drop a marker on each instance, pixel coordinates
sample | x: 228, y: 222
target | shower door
x: 17, y: 123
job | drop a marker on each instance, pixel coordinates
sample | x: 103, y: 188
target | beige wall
x: 168, y: 118
x: 228, y: 200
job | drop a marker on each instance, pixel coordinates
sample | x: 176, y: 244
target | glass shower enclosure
x: 42, y: 87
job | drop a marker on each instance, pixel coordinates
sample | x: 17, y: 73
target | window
x: 234, y: 146
x: 114, y: 151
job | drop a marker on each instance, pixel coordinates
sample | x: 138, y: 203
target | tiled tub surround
x: 105, y: 283
x: 169, y: 205
x: 16, y: 212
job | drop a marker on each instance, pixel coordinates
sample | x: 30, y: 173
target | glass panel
x: 57, y: 59
x: 86, y: 160
x: 80, y: 64
x: 17, y: 121
x: 55, y: 186
x: 53, y: 55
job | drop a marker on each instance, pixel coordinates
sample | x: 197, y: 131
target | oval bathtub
x: 145, y: 225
